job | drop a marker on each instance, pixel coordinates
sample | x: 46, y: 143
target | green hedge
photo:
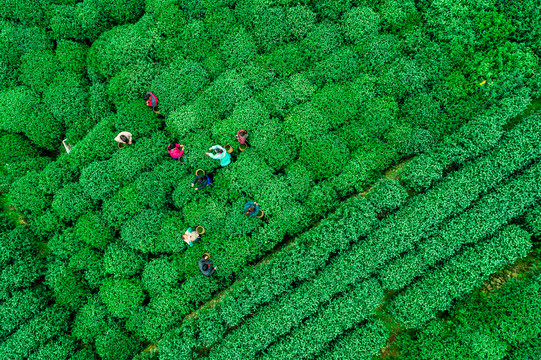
x: 437, y: 290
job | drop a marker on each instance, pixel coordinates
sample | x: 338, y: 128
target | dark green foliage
x: 121, y: 296
x: 481, y: 261
x: 140, y: 232
x: 122, y: 206
x: 387, y: 194
x: 122, y: 261
x: 71, y: 55
x: 131, y: 83
x: 332, y: 94
x: 61, y: 348
x: 501, y: 323
x: 25, y: 195
x: 362, y: 343
x: 38, y: 69
x: 238, y: 49
x: 126, y: 164
x: 325, y: 156
x: 47, y: 225
x: 33, y: 118
x: 324, y: 39
x: 115, y: 344
x: 97, y: 181
x: 422, y: 171
x: 177, y: 84
x: 49, y: 323
x: 69, y: 289
x: 71, y: 202
x: 20, y: 307
x: 91, y: 320
x: 93, y: 230
x: 159, y: 276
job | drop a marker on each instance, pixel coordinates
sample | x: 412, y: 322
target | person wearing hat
x: 202, y: 180
x: 176, y: 151
x: 241, y: 136
x: 123, y: 137
x: 190, y: 236
x: 221, y: 154
x: 205, y: 266
x: 251, y: 208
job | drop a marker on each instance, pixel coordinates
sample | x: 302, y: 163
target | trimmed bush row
x: 341, y: 314
x: 277, y: 319
x: 362, y: 343
x: 409, y: 225
x: 302, y: 259
x: 461, y: 274
x: 506, y: 323
x: 473, y: 139
x: 484, y: 218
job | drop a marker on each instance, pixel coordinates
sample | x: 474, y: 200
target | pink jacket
x: 241, y: 139
x: 176, y: 152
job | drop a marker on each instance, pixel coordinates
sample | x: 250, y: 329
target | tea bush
x: 332, y: 94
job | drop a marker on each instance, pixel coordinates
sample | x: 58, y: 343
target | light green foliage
x: 178, y: 83
x: 480, y: 260
x: 97, y: 181
x: 360, y: 24
x: 117, y: 48
x: 333, y: 93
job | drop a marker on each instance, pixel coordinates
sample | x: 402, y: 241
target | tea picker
x: 152, y: 101
x: 191, y: 236
x: 201, y: 179
x: 123, y: 137
x: 221, y: 154
x: 205, y: 266
x: 176, y: 151
x: 252, y: 209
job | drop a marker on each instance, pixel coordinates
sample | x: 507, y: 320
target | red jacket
x: 153, y: 100
x: 176, y: 152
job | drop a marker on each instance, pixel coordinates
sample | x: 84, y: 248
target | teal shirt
x: 224, y: 157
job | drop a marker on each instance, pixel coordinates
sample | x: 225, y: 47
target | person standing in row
x: 205, y: 265
x: 190, y: 236
x: 241, y: 136
x: 251, y: 208
x: 123, y: 137
x: 221, y: 154
x: 152, y: 100
x: 176, y: 151
x: 202, y: 181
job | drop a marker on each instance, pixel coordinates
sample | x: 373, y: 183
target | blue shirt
x: 249, y: 204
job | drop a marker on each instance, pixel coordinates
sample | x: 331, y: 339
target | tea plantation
x: 392, y: 158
